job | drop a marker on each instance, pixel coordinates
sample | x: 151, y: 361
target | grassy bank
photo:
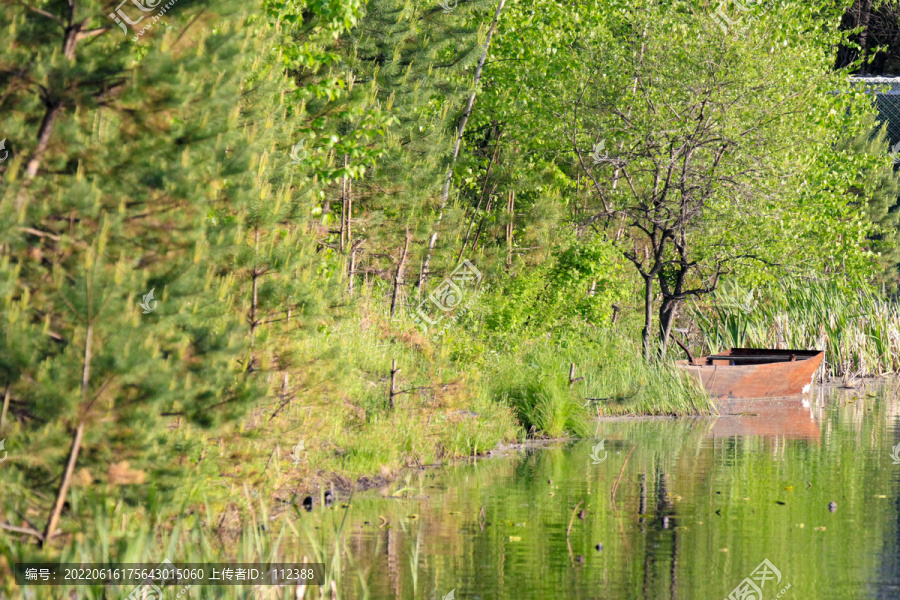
x: 454, y: 396
x: 253, y: 528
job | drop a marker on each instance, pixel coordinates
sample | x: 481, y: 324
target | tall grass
x: 252, y: 530
x: 612, y: 378
x: 859, y: 330
x: 543, y: 403
x: 339, y: 405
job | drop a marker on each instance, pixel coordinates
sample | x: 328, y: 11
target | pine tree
x: 878, y: 188
x: 127, y: 188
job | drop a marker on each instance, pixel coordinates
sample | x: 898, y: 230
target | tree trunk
x: 60, y: 501
x: 667, y: 312
x: 487, y: 211
x: 254, y: 306
x: 393, y: 390
x: 43, y: 139
x: 487, y: 175
x: 469, y: 229
x: 73, y: 34
x: 343, y: 205
x: 351, y: 274
x: 5, y: 407
x: 628, y: 115
x: 648, y: 314
x: 865, y: 11
x: 398, y: 277
x: 511, y: 210
x: 53, y: 521
x: 349, y: 211
x: 461, y: 129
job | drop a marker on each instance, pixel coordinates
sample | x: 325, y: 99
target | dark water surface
x: 682, y: 508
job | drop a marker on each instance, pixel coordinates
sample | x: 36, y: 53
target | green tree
x: 413, y: 59
x: 404, y: 74
x: 134, y: 172
x: 877, y: 188
x: 694, y: 148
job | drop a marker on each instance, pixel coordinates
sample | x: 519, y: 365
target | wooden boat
x: 755, y: 373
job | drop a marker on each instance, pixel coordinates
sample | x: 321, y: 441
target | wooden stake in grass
x: 572, y: 379
x: 393, y: 390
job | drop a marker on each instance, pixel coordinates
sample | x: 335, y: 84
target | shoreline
x: 368, y: 483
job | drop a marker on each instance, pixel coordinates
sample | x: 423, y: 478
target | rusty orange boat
x: 755, y: 372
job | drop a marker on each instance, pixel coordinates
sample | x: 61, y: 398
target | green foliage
x: 750, y: 120
x: 158, y: 172
x: 878, y: 189
x: 577, y: 285
x: 541, y: 400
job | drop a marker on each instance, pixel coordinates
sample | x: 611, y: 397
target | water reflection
x: 780, y: 417
x: 681, y: 508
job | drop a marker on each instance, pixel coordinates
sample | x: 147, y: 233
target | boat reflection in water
x: 790, y: 417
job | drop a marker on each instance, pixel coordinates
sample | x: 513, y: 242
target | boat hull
x: 745, y: 373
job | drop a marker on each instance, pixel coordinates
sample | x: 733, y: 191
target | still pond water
x: 681, y: 508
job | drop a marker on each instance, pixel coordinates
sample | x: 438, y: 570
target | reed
x: 859, y: 329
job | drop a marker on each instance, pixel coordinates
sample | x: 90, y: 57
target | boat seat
x: 727, y: 359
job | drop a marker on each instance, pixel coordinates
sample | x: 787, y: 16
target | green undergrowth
x: 340, y: 408
x: 610, y: 378
x: 254, y: 532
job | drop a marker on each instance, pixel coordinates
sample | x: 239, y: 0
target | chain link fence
x: 887, y: 99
